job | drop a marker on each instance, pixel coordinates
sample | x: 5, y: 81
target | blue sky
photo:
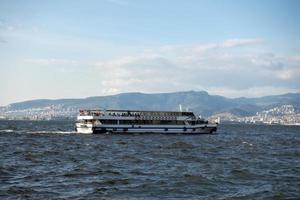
x: 65, y: 49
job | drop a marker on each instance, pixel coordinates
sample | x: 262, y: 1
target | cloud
x: 295, y: 58
x: 223, y: 68
x: 291, y: 70
x: 2, y: 40
x: 240, y: 42
x: 204, y: 48
x: 289, y: 74
x: 52, y: 61
x: 200, y: 67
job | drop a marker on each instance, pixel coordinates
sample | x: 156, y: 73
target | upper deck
x: 134, y: 114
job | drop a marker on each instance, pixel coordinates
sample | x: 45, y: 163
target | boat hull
x: 199, y: 129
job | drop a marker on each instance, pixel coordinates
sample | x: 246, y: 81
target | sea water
x: 48, y: 160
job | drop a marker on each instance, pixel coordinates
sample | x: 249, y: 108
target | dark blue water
x: 46, y: 160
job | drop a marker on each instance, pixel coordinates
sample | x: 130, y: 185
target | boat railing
x: 90, y: 113
x: 137, y: 114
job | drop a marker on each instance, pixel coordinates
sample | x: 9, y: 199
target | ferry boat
x: 137, y: 121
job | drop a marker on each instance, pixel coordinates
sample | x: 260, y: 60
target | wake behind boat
x: 137, y: 121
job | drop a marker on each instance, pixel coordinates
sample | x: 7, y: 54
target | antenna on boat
x: 180, y: 108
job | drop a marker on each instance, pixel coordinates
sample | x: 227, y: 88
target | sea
x: 48, y: 160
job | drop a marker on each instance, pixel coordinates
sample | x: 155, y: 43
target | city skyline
x: 66, y: 49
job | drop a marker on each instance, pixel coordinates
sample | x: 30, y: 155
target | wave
x: 7, y: 130
x: 180, y: 145
x: 51, y: 132
x: 36, y: 132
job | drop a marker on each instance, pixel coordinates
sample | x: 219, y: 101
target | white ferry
x: 134, y: 121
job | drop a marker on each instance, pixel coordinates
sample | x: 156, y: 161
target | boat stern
x: 84, y: 128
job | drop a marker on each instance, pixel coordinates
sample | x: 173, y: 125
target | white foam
x: 247, y: 143
x: 51, y: 132
x: 7, y: 130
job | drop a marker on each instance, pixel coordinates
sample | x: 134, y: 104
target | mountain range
x: 200, y: 102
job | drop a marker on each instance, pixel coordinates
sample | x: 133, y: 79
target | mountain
x: 289, y: 98
x: 198, y: 101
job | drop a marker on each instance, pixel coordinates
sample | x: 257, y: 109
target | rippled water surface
x: 47, y: 160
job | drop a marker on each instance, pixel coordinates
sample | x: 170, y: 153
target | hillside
x: 200, y: 102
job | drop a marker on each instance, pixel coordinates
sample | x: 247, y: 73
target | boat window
x: 109, y: 121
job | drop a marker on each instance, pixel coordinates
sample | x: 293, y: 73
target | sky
x: 75, y: 49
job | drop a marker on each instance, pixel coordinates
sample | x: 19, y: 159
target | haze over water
x: 47, y: 160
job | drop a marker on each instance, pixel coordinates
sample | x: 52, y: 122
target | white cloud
x: 291, y: 70
x: 199, y: 67
x: 52, y: 61
x: 203, y: 48
x: 296, y: 58
x: 289, y: 74
x: 240, y: 42
x: 221, y: 68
